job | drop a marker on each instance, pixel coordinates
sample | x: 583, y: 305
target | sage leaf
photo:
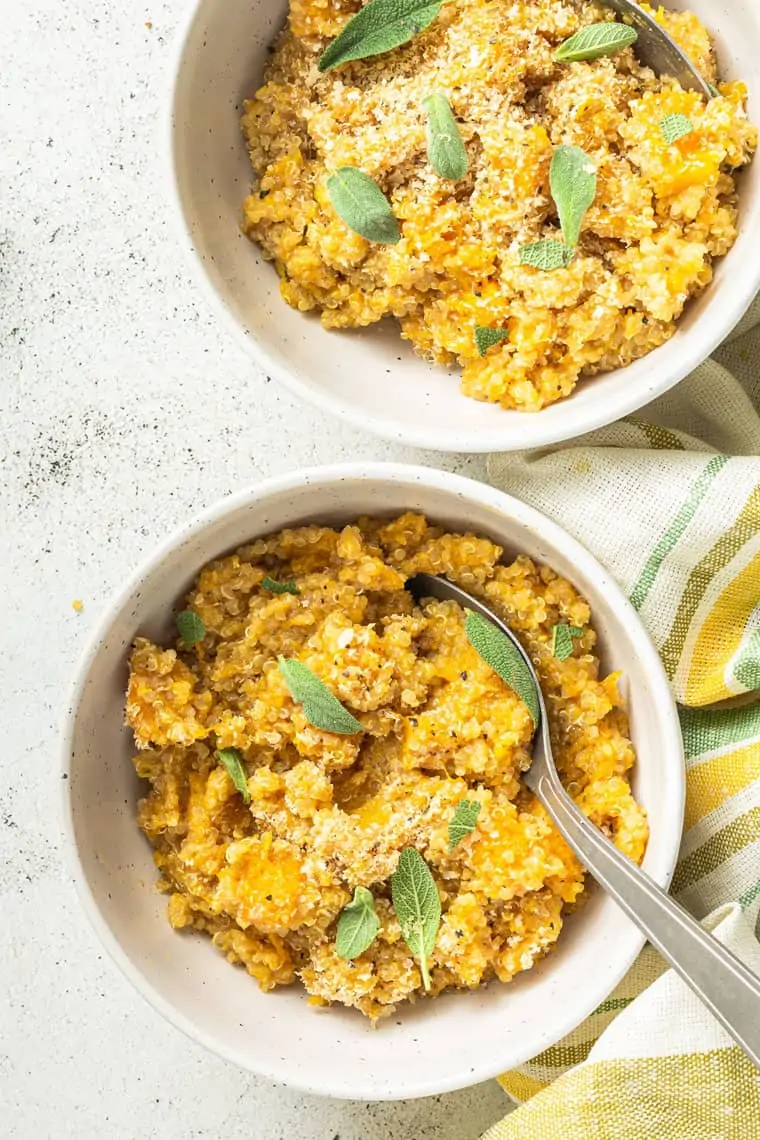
x: 675, y: 127
x: 445, y: 147
x: 378, y: 27
x: 498, y: 651
x: 417, y: 906
x: 547, y: 254
x: 357, y: 926
x: 232, y: 761
x: 361, y: 204
x: 190, y: 626
x: 596, y: 40
x: 463, y: 822
x: 486, y: 338
x: 275, y: 587
x: 713, y: 90
x: 320, y: 707
x: 572, y: 179
x: 562, y: 640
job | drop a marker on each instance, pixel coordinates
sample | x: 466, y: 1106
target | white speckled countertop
x: 123, y: 410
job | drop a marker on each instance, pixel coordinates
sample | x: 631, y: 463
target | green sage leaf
x: 675, y: 127
x: 232, y: 761
x: 446, y: 151
x: 378, y: 27
x: 713, y: 90
x: 572, y: 179
x: 596, y: 40
x: 417, y: 906
x: 357, y: 926
x: 562, y: 640
x: 190, y: 626
x: 320, y: 706
x: 486, y: 338
x: 498, y: 651
x: 361, y: 204
x: 547, y: 254
x: 463, y: 822
x: 275, y: 587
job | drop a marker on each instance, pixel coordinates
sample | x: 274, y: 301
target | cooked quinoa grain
x: 661, y: 215
x: 329, y: 813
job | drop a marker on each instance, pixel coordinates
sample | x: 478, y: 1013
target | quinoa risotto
x: 663, y: 209
x: 265, y: 857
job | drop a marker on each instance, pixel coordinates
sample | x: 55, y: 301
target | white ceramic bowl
x: 433, y: 1046
x: 372, y: 378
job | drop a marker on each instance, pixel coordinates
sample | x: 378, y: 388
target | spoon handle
x: 729, y: 990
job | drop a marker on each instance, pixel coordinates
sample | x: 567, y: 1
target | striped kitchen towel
x: 670, y: 501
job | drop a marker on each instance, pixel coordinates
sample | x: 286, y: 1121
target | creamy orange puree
x: 268, y: 880
x: 662, y: 213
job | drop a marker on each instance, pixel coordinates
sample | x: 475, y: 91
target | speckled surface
x: 123, y: 409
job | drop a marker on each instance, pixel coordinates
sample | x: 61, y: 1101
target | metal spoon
x: 656, y: 49
x: 725, y: 985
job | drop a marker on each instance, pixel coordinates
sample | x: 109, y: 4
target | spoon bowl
x: 658, y: 50
x: 432, y: 586
x: 725, y: 985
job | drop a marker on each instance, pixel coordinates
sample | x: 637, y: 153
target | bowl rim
x: 466, y: 489
x: 695, y: 351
